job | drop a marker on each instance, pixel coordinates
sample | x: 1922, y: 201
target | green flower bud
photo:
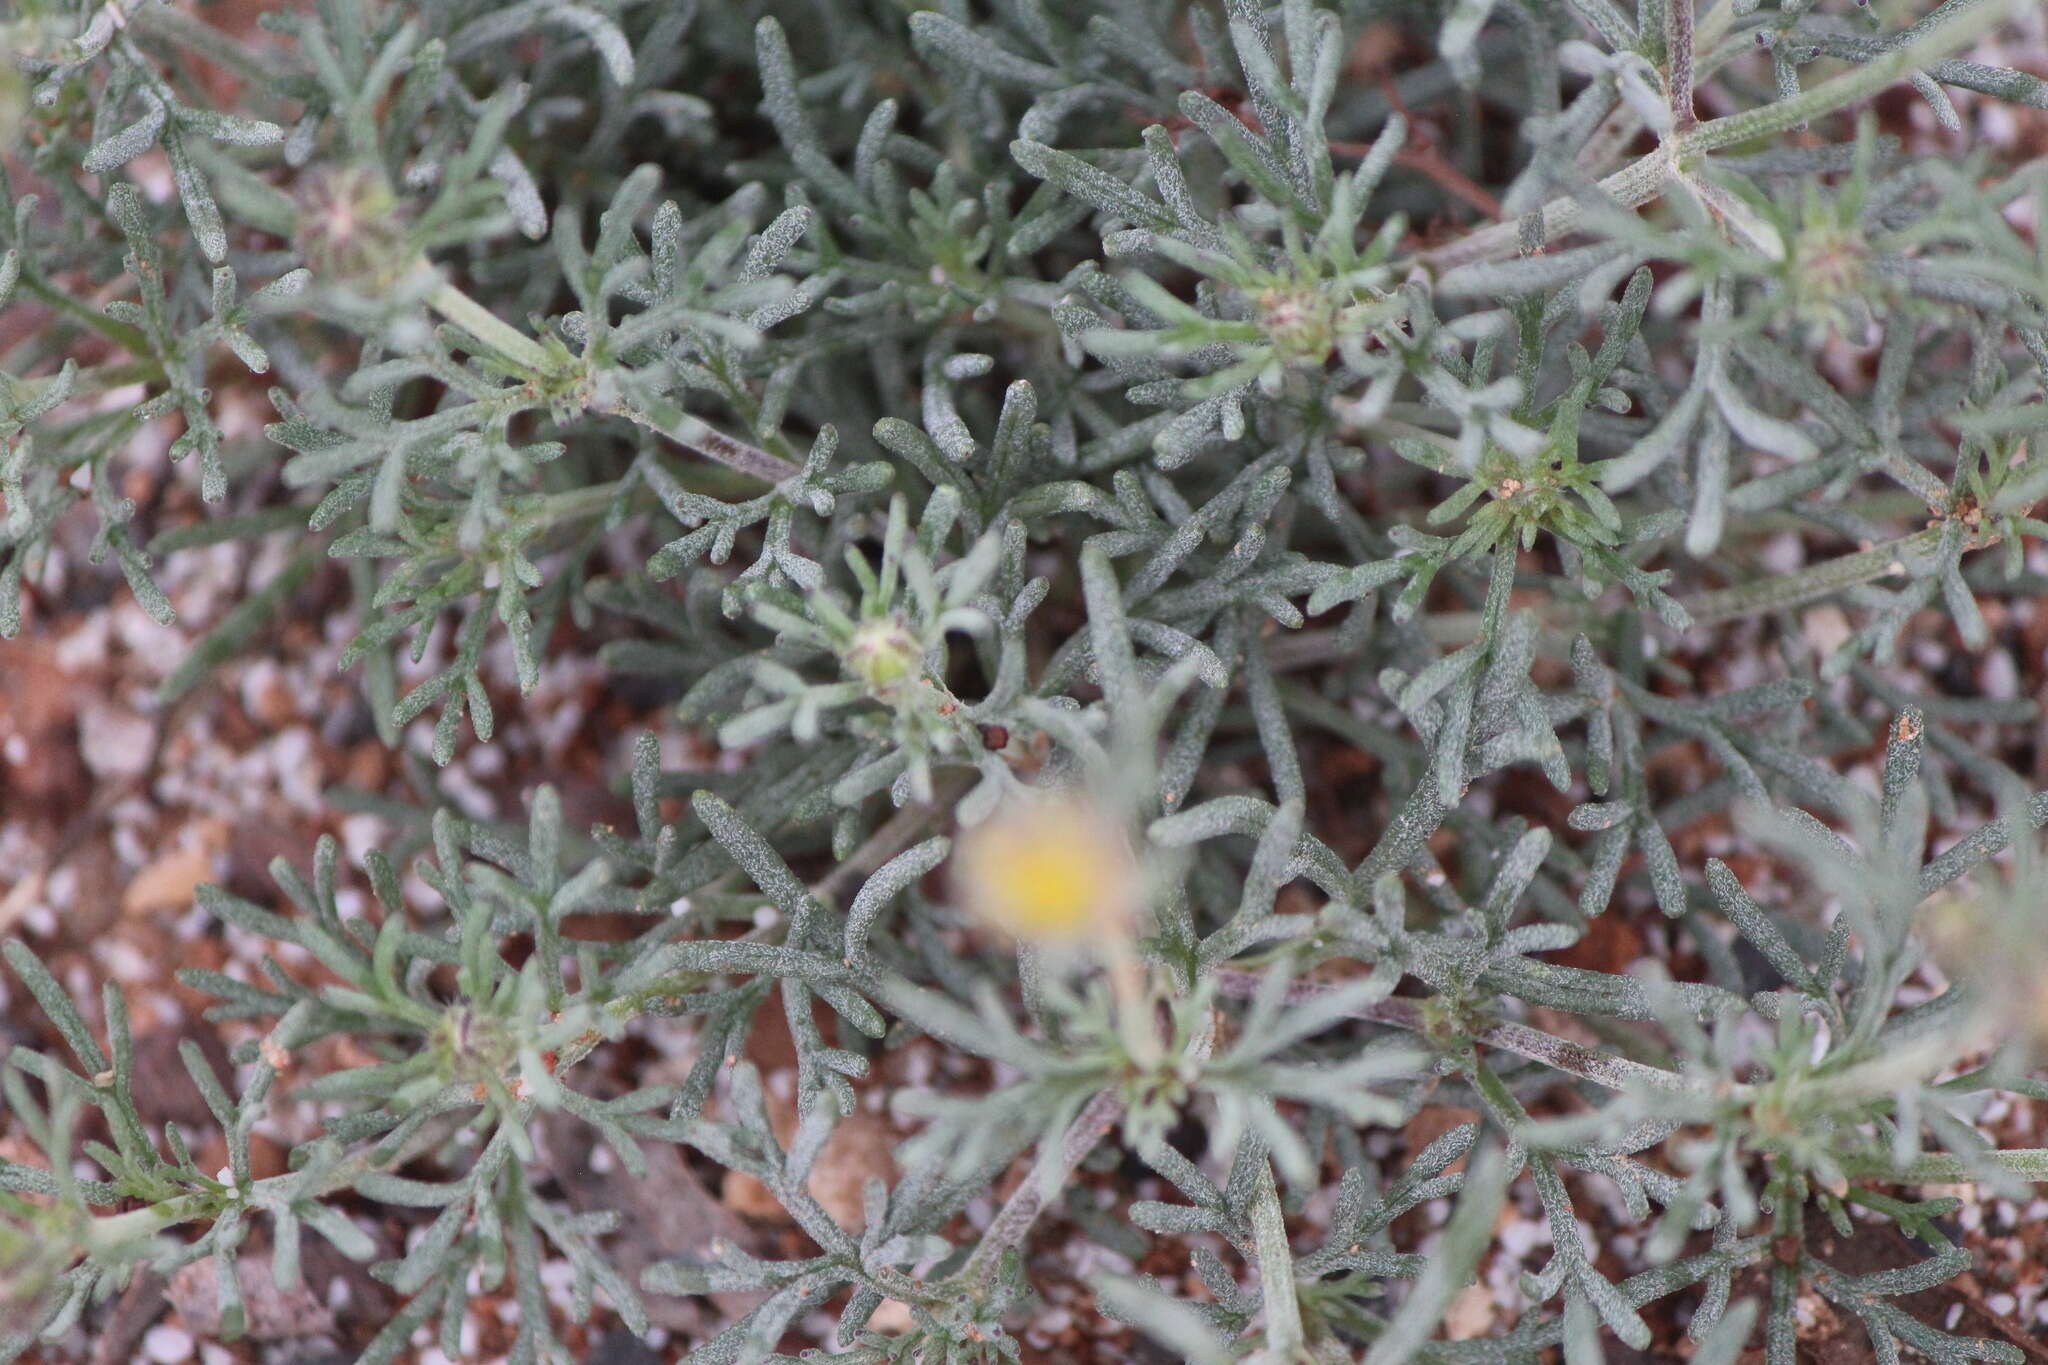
x: 882, y: 654
x: 1300, y: 324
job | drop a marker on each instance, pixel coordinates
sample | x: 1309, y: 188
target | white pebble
x: 115, y: 742
x: 2001, y: 677
x: 166, y: 1344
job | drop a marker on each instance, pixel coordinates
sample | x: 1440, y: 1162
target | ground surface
x: 114, y: 807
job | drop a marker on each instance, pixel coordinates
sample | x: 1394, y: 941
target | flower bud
x: 351, y: 229
x: 1300, y: 323
x: 882, y: 654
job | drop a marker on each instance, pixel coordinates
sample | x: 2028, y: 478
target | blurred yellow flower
x: 1052, y: 871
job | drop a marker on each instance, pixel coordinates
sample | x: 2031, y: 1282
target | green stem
x: 896, y: 834
x: 103, y: 378
x: 659, y: 416
x: 550, y: 509
x: 2028, y: 1163
x: 1810, y: 584
x: 1653, y: 27
x: 1393, y: 429
x: 1560, y: 1054
x: 667, y: 419
x: 1633, y: 186
x: 1678, y: 51
x: 1966, y: 23
x: 1284, y: 1334
x: 487, y: 327
x: 1645, y: 179
x: 128, y: 337
x: 1017, y: 1215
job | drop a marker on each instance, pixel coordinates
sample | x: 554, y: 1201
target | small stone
x: 858, y: 1148
x: 1827, y: 628
x: 1470, y: 1313
x: 273, y: 1314
x: 114, y: 741
x: 892, y: 1319
x: 368, y: 766
x: 168, y: 883
x: 166, y: 1344
x: 267, y: 696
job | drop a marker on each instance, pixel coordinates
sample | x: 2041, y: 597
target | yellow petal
x: 1047, y: 872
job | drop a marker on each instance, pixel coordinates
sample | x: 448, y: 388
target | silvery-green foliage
x: 949, y: 405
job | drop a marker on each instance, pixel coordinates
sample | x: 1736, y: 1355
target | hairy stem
x: 1284, y: 1335
x: 1021, y: 1210
x: 1825, y: 579
x: 1678, y: 47
x: 487, y: 327
x: 695, y: 434
x: 127, y: 336
x: 1930, y: 41
x: 1646, y: 178
x: 1615, y: 1073
x: 897, y: 833
x: 661, y: 416
x: 1633, y: 186
x: 1940, y: 1168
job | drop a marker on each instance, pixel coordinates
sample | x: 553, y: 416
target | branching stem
x: 487, y: 327
x: 1615, y: 1073
x: 1646, y: 178
x: 1678, y: 48
x: 663, y: 418
x: 1816, y: 581
x: 1021, y: 1210
x: 694, y: 433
